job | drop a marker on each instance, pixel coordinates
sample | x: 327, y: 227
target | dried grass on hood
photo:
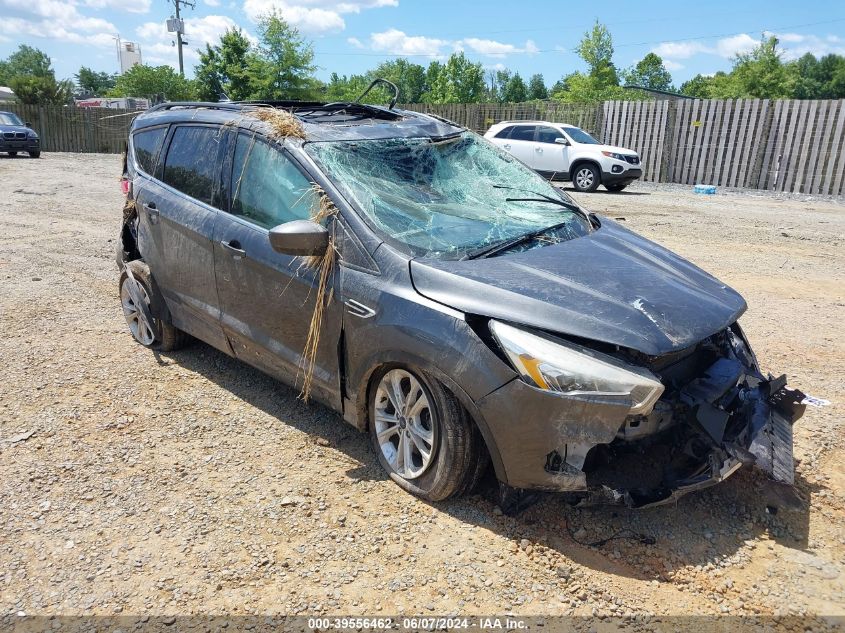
x: 323, y: 209
x: 282, y: 122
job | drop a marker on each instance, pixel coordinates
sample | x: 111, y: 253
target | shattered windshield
x: 580, y: 136
x: 447, y: 198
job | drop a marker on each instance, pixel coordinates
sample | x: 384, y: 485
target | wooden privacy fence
x: 71, y: 129
x: 784, y: 145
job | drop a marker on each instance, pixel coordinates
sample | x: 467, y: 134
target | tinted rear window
x: 505, y: 133
x: 191, y: 164
x: 523, y: 133
x: 146, y: 144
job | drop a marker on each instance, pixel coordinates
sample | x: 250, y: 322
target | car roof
x: 321, y: 121
x: 535, y: 122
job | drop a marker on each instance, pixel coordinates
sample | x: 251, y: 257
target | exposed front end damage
x: 717, y: 413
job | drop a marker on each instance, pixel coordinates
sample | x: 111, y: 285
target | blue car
x: 16, y: 136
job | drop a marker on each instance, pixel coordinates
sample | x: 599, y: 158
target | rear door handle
x: 234, y: 248
x: 152, y: 211
x: 538, y: 149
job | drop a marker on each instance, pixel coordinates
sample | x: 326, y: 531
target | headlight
x: 567, y: 368
x: 32, y: 135
x: 614, y: 155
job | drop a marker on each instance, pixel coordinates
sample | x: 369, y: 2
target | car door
x: 520, y: 143
x: 268, y: 298
x: 550, y: 157
x: 177, y: 215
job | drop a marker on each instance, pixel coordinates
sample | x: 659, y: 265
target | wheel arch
x: 411, y: 361
x: 578, y: 162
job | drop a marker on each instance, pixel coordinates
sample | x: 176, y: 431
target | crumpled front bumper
x: 728, y: 417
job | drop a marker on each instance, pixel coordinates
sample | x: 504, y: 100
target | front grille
x: 633, y: 160
x: 14, y: 135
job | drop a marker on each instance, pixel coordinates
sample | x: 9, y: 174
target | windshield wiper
x: 557, y: 201
x: 498, y: 247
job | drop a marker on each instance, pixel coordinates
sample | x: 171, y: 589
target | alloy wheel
x: 405, y: 423
x: 141, y: 330
x: 584, y: 178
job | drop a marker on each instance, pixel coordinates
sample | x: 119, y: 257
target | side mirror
x: 27, y: 124
x: 300, y: 237
x: 561, y: 141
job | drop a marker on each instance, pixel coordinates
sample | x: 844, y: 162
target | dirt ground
x: 187, y: 482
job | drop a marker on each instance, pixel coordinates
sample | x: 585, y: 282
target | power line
x: 626, y: 45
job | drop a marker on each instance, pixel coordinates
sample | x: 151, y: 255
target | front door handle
x: 538, y: 150
x: 234, y: 248
x: 507, y: 145
x: 152, y: 211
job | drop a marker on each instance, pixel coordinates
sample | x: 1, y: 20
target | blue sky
x: 355, y: 35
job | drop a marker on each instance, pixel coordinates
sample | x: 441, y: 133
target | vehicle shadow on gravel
x: 703, y: 530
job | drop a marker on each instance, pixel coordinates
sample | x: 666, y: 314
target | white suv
x: 565, y: 152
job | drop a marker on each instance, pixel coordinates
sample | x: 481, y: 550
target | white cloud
x: 51, y: 19
x: 672, y: 65
x: 792, y: 46
x: 492, y: 48
x: 313, y: 16
x: 727, y: 47
x: 355, y: 42
x: 156, y: 42
x: 212, y: 3
x: 397, y: 42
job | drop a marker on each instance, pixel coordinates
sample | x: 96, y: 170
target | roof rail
x: 169, y: 105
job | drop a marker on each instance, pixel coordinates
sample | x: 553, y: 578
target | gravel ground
x: 189, y: 483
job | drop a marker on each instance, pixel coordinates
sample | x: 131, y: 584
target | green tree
x: 649, y: 72
x: 225, y: 68
x: 284, y: 64
x: 153, y: 82
x: 760, y: 73
x: 515, y: 90
x: 596, y: 49
x: 93, y: 83
x: 409, y: 78
x: 537, y: 88
x: 457, y: 81
x: 41, y: 89
x: 26, y: 61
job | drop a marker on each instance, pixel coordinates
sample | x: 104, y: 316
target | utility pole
x: 180, y: 29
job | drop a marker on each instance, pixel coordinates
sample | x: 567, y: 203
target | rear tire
x: 615, y: 188
x: 35, y: 154
x: 586, y: 178
x: 411, y: 411
x: 159, y: 334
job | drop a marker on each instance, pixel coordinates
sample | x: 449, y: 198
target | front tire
x: 616, y: 188
x: 423, y: 437
x: 158, y: 334
x: 35, y: 154
x: 586, y: 178
x: 12, y: 154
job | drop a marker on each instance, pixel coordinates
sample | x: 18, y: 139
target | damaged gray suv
x: 445, y: 299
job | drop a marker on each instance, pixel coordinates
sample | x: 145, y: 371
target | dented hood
x: 612, y: 286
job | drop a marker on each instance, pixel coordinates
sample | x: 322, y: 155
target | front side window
x: 523, y: 133
x: 548, y: 134
x: 444, y: 199
x: 267, y: 188
x: 580, y: 136
x: 146, y: 144
x: 191, y: 165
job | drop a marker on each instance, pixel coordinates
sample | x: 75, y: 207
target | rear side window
x: 548, y: 134
x: 523, y: 133
x: 146, y: 144
x: 191, y: 165
x: 267, y: 188
x: 505, y: 133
